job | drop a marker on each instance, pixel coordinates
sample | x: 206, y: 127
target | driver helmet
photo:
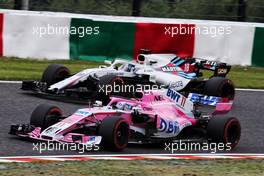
x: 141, y: 59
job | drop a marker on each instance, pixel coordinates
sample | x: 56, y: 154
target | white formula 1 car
x: 159, y: 70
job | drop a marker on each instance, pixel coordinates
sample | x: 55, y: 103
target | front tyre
x: 225, y: 130
x: 54, y: 73
x: 45, y: 115
x: 115, y: 133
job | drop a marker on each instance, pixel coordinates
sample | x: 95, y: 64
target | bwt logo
x: 173, y: 95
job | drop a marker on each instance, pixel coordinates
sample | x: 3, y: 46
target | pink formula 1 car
x: 150, y: 117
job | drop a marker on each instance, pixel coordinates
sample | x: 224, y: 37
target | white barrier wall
x: 242, y: 44
x: 233, y: 47
x: 21, y: 39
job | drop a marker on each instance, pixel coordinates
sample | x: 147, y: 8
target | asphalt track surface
x: 16, y: 107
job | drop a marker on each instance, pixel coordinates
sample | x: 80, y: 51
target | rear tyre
x: 225, y: 130
x: 45, y: 115
x: 115, y: 133
x: 220, y: 87
x: 54, y: 73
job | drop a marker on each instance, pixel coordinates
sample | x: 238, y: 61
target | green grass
x: 246, y: 77
x: 139, y: 167
x: 22, y: 69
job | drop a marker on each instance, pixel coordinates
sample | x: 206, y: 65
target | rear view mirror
x: 153, y: 62
x: 108, y: 62
x: 102, y: 66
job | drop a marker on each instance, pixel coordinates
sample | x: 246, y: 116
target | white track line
x: 153, y: 157
x: 10, y: 82
x: 141, y: 155
x: 130, y: 157
x: 250, y: 90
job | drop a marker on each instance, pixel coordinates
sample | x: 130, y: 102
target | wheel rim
x: 232, y: 132
x: 54, y: 112
x: 121, y: 134
x: 61, y: 74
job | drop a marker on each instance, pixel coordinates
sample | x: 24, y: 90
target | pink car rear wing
x: 223, y: 108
